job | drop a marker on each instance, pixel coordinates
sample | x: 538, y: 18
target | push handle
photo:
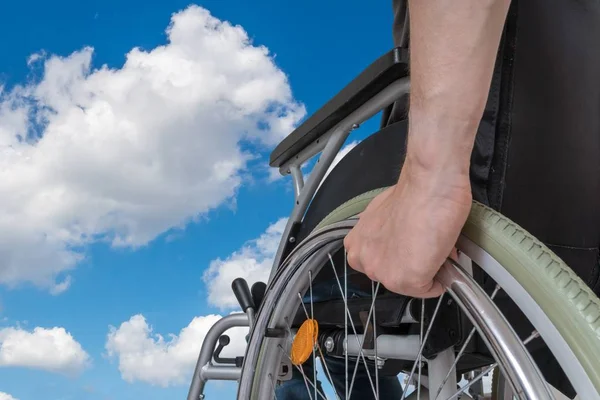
x: 242, y: 293
x: 258, y: 293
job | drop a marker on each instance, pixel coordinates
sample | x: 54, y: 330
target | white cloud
x: 252, y: 262
x: 35, y: 57
x: 58, y: 288
x: 124, y: 154
x: 149, y: 357
x: 52, y: 350
x: 6, y: 396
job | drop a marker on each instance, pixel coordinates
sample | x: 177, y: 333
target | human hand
x: 406, y: 233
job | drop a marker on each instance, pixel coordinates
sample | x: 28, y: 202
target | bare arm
x: 408, y: 231
x: 453, y: 49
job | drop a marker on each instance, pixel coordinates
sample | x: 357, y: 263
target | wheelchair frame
x: 380, y: 85
x: 387, y: 80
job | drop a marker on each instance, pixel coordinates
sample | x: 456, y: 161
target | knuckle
x: 348, y: 240
x: 367, y: 270
x: 349, y: 236
x: 353, y: 259
x: 420, y: 289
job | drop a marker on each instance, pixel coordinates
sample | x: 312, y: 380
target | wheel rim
x: 260, y: 358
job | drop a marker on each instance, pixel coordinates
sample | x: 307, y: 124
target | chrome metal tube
x: 204, y: 370
x: 437, y: 370
x: 298, y: 179
x: 222, y: 373
x: 388, y: 346
x: 504, y: 344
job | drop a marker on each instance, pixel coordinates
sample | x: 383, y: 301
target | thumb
x: 436, y: 290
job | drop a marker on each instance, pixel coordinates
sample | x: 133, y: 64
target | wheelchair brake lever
x: 244, y: 297
x: 224, y: 341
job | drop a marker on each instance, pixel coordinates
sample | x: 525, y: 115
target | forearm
x: 453, y: 50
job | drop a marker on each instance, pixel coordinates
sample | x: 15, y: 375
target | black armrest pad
x: 384, y: 71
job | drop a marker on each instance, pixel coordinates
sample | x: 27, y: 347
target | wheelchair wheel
x: 501, y: 389
x: 564, y: 312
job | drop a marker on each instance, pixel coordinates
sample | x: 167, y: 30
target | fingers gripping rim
x: 566, y: 300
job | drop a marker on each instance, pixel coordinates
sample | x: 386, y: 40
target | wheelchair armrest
x: 381, y: 73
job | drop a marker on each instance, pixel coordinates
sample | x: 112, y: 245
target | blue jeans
x: 295, y: 388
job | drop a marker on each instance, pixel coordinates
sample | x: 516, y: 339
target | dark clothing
x: 536, y: 157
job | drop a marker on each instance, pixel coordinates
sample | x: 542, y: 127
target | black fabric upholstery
x: 377, y: 76
x: 536, y: 156
x: 552, y: 184
x: 374, y: 163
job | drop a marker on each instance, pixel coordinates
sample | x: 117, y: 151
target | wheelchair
x: 443, y: 346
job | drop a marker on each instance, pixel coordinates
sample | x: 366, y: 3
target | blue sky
x: 134, y: 182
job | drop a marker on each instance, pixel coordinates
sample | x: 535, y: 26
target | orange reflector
x: 304, y: 342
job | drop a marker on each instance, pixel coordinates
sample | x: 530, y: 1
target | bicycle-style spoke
x: 360, y: 345
x: 326, y: 369
x: 462, y: 350
x: 303, y: 306
x: 306, y: 379
x: 289, y: 337
x: 312, y: 314
x: 422, y: 336
x: 400, y: 344
x: 534, y: 335
x: 374, y: 294
x: 530, y: 338
x: 472, y: 382
x: 420, y: 358
x: 317, y: 347
x: 311, y: 386
x: 306, y: 382
x: 422, y: 345
x: 273, y: 384
x: 345, y: 295
x: 348, y: 317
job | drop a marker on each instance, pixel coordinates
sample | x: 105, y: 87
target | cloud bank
x: 53, y: 350
x: 148, y: 357
x: 121, y: 155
